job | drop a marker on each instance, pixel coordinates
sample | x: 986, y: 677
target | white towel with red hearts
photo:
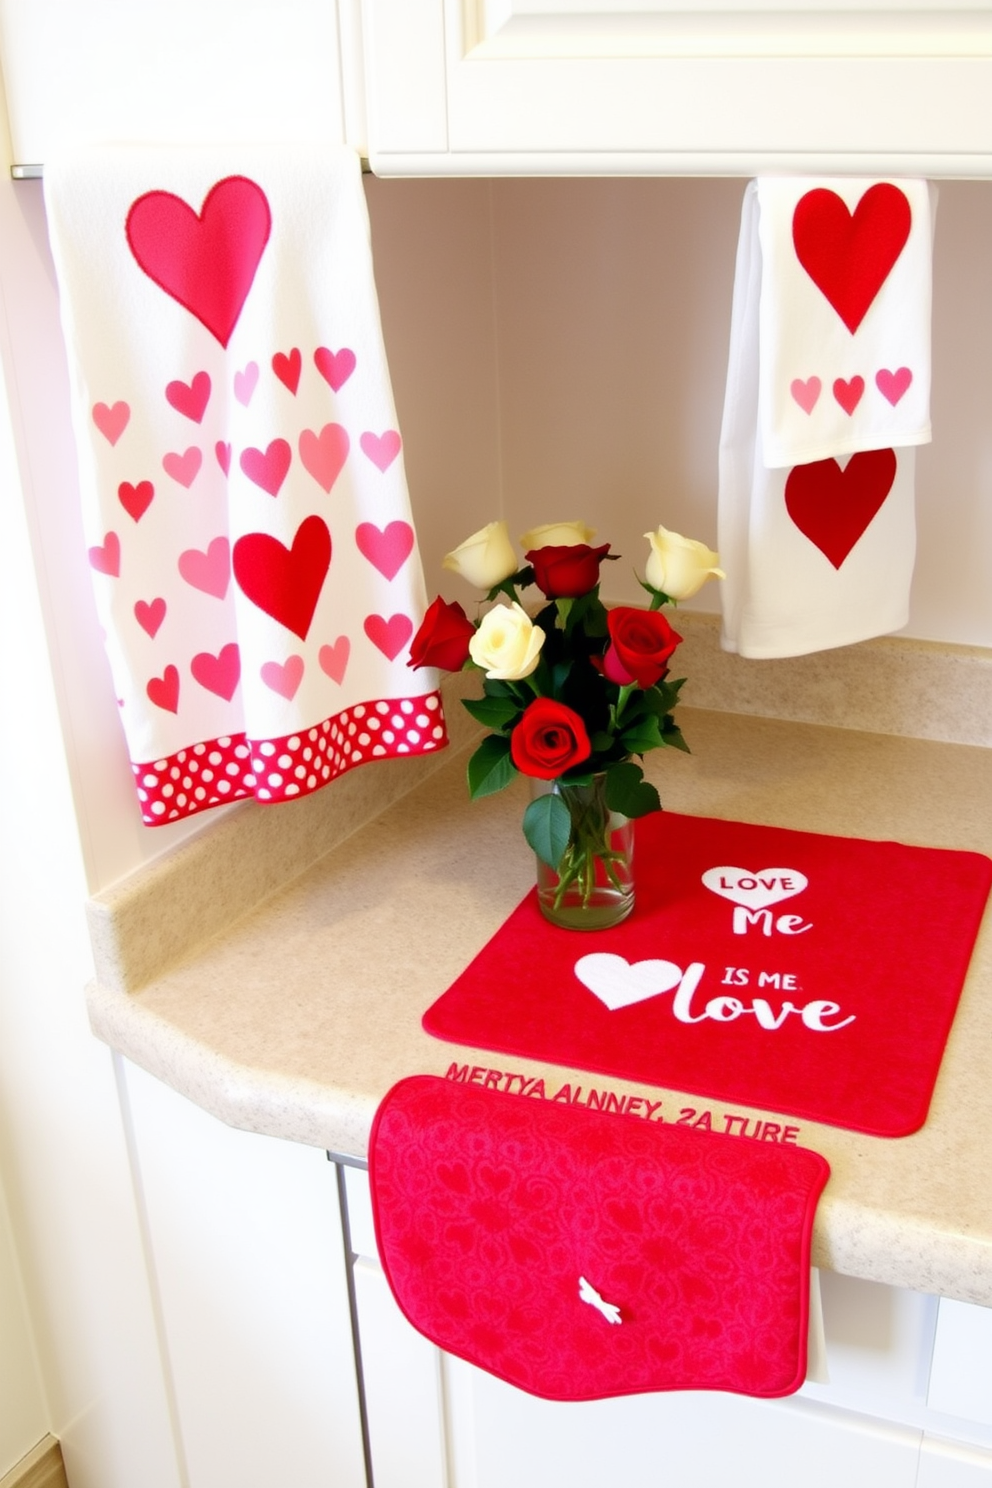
x: 241, y: 469
x: 827, y: 394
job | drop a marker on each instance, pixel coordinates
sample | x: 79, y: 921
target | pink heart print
x: 381, y: 449
x: 335, y: 367
x: 222, y: 450
x: 267, y: 468
x: 892, y: 385
x: 283, y: 677
x: 209, y: 572
x: 219, y: 674
x: 183, y: 468
x: 806, y: 392
x: 111, y: 420
x: 107, y: 559
x: 848, y: 394
x: 164, y: 691
x: 323, y: 455
x: 204, y: 260
x: 149, y: 615
x: 389, y: 635
x: 191, y: 398
x: 245, y: 383
x: 333, y: 659
x: 388, y: 548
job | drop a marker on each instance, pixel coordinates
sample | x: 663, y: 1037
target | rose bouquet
x: 569, y: 695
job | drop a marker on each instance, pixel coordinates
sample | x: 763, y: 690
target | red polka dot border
x: 233, y: 768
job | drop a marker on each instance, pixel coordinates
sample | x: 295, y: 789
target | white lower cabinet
x: 436, y: 1422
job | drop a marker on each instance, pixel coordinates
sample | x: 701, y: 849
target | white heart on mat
x: 755, y: 890
x: 619, y: 983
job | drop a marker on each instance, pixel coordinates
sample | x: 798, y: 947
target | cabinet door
x: 248, y: 1261
x: 697, y: 86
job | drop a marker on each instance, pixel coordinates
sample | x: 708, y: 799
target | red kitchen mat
x: 791, y: 971
x: 579, y: 1255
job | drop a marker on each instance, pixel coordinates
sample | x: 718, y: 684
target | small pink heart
x: 209, y: 572
x: 848, y: 394
x: 183, y: 468
x: 287, y: 367
x: 111, y: 420
x: 806, y: 393
x: 267, y: 469
x: 222, y: 450
x: 245, y: 383
x: 107, y: 559
x: 389, y: 635
x: 892, y: 385
x: 164, y: 691
x: 149, y: 615
x: 335, y: 367
x: 283, y: 677
x: 135, y: 499
x: 190, y: 399
x: 381, y: 449
x: 219, y: 674
x: 387, y: 549
x: 334, y: 659
x: 323, y: 455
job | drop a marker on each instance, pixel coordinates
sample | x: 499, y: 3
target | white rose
x: 557, y: 535
x: 507, y: 643
x: 486, y: 558
x: 679, y: 566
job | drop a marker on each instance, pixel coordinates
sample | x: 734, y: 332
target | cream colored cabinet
x: 689, y: 86
x: 436, y: 1422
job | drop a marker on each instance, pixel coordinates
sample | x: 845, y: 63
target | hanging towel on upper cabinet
x: 241, y: 470
x: 827, y: 394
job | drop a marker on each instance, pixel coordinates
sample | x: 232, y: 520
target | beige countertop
x: 291, y: 1010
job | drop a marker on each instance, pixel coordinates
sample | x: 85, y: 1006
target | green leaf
x: 547, y: 827
x: 673, y: 737
x: 642, y: 735
x: 658, y: 596
x: 490, y: 769
x: 628, y: 792
x: 601, y: 742
x: 494, y: 712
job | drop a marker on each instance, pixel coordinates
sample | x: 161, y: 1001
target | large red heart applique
x: 206, y: 261
x: 833, y: 507
x: 285, y: 582
x: 849, y: 255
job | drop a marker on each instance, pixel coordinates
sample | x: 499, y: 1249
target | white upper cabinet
x: 689, y: 86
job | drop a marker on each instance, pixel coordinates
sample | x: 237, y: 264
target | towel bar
x: 35, y: 172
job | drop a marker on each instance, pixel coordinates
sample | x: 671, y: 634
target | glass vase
x: 593, y: 886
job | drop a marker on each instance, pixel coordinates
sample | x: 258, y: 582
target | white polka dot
x: 375, y: 723
x: 232, y: 768
x: 275, y: 779
x: 216, y: 757
x: 326, y: 772
x: 194, y: 767
x: 158, y: 808
x: 242, y: 751
x: 187, y: 783
x: 199, y: 748
x: 382, y: 707
x: 359, y: 710
x: 168, y: 790
x: 268, y: 748
x: 181, y: 756
x: 365, y: 739
x: 292, y: 790
x: 160, y: 765
x: 312, y: 734
x: 150, y: 779
x: 207, y: 775
x: 175, y: 772
x: 402, y: 749
x: 249, y: 781
x: 225, y: 743
x: 285, y: 760
x: 438, y: 732
x: 308, y: 754
x: 388, y: 735
x: 200, y: 793
x: 311, y: 782
x: 422, y: 720
x: 413, y: 736
x: 263, y: 794
x: 142, y: 794
x: 398, y: 721
x: 378, y: 749
x: 293, y: 743
x: 300, y: 771
x: 356, y: 757
x: 223, y: 786
x: 431, y: 704
x: 181, y: 799
x: 352, y: 728
x: 406, y: 705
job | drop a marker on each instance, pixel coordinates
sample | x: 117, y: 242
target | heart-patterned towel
x: 827, y: 394
x: 241, y: 470
x: 578, y: 1254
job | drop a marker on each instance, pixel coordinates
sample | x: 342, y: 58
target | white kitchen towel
x: 844, y: 315
x: 818, y: 550
x: 242, y: 477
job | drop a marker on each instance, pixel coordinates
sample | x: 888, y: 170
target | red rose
x: 567, y: 572
x: 642, y: 646
x: 548, y: 740
x: 443, y: 637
